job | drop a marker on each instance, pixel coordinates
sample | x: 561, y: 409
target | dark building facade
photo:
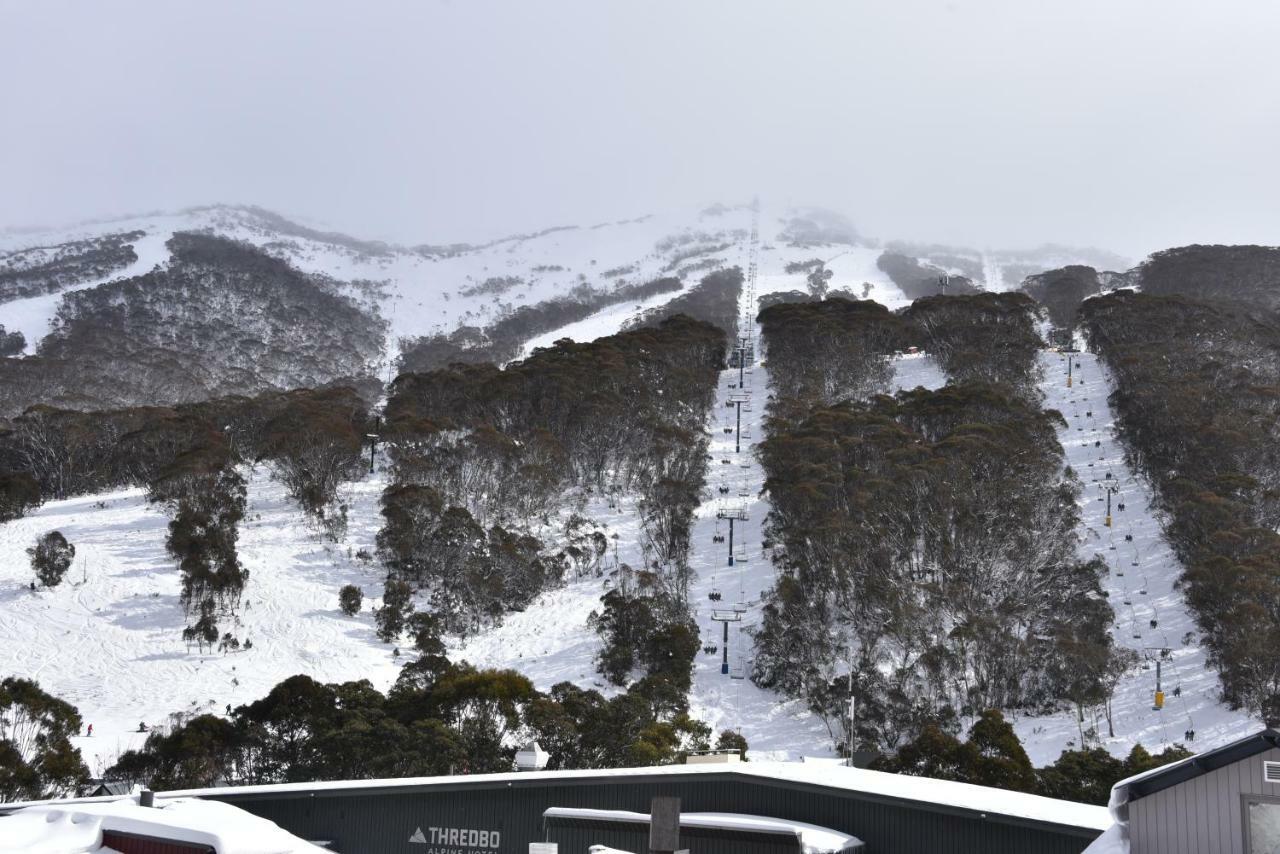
x: 502, y: 814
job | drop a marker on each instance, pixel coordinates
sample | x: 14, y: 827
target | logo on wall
x: 456, y: 840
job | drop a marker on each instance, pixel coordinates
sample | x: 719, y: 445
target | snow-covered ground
x: 109, y: 638
x: 1140, y: 583
x: 917, y: 370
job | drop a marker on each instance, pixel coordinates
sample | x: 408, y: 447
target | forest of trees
x: 925, y: 542
x: 825, y: 351
x: 223, y: 318
x: 481, y: 455
x: 981, y: 338
x: 1247, y: 274
x: 1198, y: 397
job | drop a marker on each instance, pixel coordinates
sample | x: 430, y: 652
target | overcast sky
x: 1127, y: 124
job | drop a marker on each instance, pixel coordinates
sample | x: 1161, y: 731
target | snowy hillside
x: 109, y: 640
x: 1151, y: 617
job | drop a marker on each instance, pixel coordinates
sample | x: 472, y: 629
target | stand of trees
x: 481, y: 454
x: 830, y: 350
x: 1198, y: 397
x: 310, y: 437
x: 927, y: 543
x: 992, y: 756
x: 713, y: 300
x: 1247, y: 274
x: 37, y: 758
x: 981, y: 338
x: 223, y: 318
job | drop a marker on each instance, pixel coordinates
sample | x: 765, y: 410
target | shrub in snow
x: 350, y: 598
x: 51, y: 557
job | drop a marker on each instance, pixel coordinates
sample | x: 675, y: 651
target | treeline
x: 991, y: 755
x: 1249, y: 274
x: 1198, y: 397
x: 831, y: 350
x: 480, y: 449
x: 444, y: 718
x: 981, y: 338
x: 49, y: 269
x: 438, y: 718
x: 925, y: 545
x: 713, y: 300
x: 223, y: 318
x: 502, y: 340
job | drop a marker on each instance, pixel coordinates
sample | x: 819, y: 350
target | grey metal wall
x: 578, y: 836
x: 1204, y: 814
x: 381, y: 821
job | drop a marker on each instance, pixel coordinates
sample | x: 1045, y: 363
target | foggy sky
x: 1126, y: 124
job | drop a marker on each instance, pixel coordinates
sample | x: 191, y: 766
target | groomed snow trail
x: 775, y: 726
x: 1142, y: 572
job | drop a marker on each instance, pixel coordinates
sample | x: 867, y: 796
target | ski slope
x: 1141, y: 584
x: 109, y: 638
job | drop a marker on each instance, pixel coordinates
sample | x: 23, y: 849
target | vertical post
x: 742, y: 360
x: 1159, y: 700
x: 1071, y: 360
x: 730, y: 541
x: 737, y: 437
x: 1107, y: 521
x: 664, y: 825
x: 724, y: 665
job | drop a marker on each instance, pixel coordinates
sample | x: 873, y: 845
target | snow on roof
x: 923, y: 790
x: 813, y: 839
x: 946, y: 793
x: 66, y: 828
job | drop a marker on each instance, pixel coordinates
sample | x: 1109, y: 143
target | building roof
x: 77, y: 828
x: 920, y: 792
x: 1157, y: 779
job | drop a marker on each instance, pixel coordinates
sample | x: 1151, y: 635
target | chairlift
x: 714, y: 595
x: 711, y: 649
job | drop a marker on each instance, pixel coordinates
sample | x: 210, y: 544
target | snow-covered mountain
x: 109, y: 640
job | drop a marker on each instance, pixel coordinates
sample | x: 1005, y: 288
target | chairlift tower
x: 373, y: 441
x: 726, y: 616
x: 1110, y: 491
x: 738, y: 514
x: 737, y: 399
